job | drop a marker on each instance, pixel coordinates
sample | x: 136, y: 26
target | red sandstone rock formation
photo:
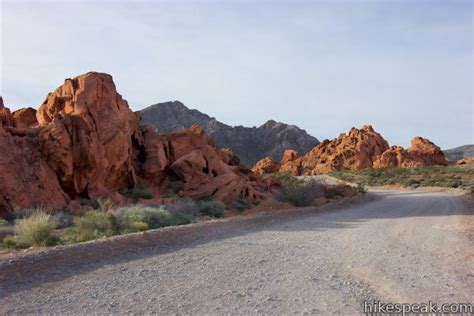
x: 26, y: 180
x: 87, y: 136
x: 266, y: 165
x: 290, y: 162
x: 204, y: 170
x: 87, y: 143
x: 24, y: 118
x: 360, y: 148
x: 421, y: 153
x: 6, y: 118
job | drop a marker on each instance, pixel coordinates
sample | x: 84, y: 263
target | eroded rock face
x: 85, y: 142
x: 24, y: 118
x: 87, y: 136
x: 421, y: 153
x: 26, y: 180
x: 204, y: 170
x: 6, y: 118
x: 360, y: 148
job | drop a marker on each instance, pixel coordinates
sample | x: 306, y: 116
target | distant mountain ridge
x: 249, y: 143
x: 461, y: 152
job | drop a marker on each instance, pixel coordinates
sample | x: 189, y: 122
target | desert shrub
x: 64, y: 219
x: 333, y: 192
x: 454, y: 183
x: 138, y: 192
x: 105, y: 205
x: 153, y: 217
x: 92, y: 225
x: 36, y: 229
x: 9, y: 242
x: 240, y: 205
x: 211, y: 208
x: 4, y: 223
x: 139, y: 226
x: 185, y: 206
x: 299, y: 192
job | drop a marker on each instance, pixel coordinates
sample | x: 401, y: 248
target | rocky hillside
x: 358, y: 149
x: 250, y: 144
x: 458, y: 153
x: 85, y: 143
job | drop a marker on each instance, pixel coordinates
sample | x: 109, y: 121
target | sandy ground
x: 403, y: 246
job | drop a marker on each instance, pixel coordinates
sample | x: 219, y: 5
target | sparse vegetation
x: 454, y: 176
x: 153, y: 217
x: 138, y: 192
x: 105, y: 205
x: 298, y: 192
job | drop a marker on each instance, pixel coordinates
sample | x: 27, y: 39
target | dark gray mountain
x: 461, y: 152
x: 249, y: 143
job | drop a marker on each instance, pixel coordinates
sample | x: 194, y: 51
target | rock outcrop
x: 250, y: 144
x: 26, y: 180
x: 421, y: 153
x: 360, y: 148
x: 266, y: 165
x: 85, y: 142
x: 24, y: 118
x: 86, y: 136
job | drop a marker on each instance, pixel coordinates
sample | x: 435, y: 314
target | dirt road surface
x: 403, y: 246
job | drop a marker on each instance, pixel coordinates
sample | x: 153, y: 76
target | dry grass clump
x: 36, y: 229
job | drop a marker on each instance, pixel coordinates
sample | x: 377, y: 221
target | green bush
x: 138, y: 192
x: 9, y: 242
x: 92, y: 225
x: 153, y: 217
x: 36, y: 229
x: 211, y: 208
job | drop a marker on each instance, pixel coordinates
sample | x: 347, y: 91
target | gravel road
x: 402, y: 246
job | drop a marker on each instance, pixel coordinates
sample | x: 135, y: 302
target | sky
x: 406, y: 67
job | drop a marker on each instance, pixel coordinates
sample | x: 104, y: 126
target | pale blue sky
x: 406, y: 67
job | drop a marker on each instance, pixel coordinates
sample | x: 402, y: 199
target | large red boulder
x: 87, y: 136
